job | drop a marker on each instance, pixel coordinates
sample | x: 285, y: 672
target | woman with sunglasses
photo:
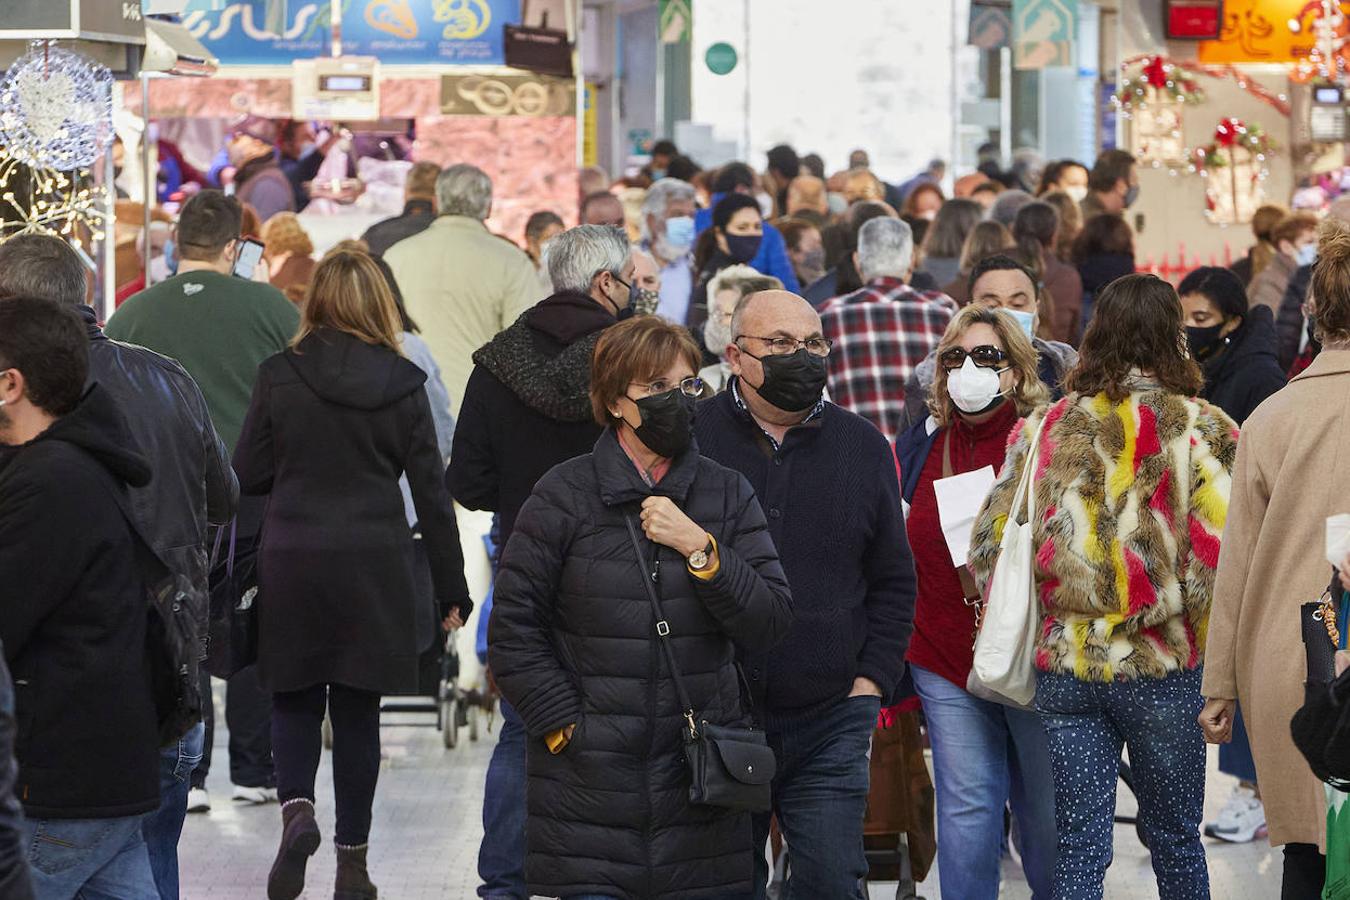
x: 985, y: 755
x: 574, y: 647
x: 1132, y: 481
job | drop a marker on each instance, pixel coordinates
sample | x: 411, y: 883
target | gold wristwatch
x: 699, y: 559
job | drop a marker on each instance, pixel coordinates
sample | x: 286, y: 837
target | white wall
x: 830, y: 77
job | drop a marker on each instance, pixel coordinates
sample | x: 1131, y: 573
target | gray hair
x: 42, y: 266
x: 464, y: 190
x: 659, y: 196
x: 577, y: 255
x: 1007, y: 206
x: 885, y: 247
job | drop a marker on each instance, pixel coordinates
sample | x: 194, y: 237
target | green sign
x: 721, y: 58
x: 1043, y: 32
x: 677, y: 21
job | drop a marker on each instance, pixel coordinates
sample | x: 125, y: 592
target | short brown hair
x: 348, y: 293
x: 638, y: 349
x: 1111, y: 166
x: 1265, y: 219
x: 1290, y: 227
x: 421, y: 181
x: 1029, y: 393
x: 1330, y: 294
x: 1103, y: 234
x: 207, y: 223
x: 1137, y: 325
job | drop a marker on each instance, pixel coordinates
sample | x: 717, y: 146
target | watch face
x: 698, y: 559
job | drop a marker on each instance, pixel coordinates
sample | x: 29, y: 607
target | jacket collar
x: 1328, y: 362
x: 418, y: 208
x: 620, y: 482
x: 447, y: 221
x: 91, y: 326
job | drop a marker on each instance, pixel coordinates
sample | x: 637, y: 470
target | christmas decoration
x: 49, y: 201
x: 1234, y: 167
x: 55, y: 109
x: 1159, y: 80
x: 1187, y: 71
x: 1234, y: 133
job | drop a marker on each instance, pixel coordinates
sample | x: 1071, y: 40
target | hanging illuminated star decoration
x: 55, y: 122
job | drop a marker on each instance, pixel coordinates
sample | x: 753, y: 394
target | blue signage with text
x: 253, y: 33
x: 443, y: 32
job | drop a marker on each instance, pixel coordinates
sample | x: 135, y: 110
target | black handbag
x: 1321, y: 727
x: 541, y: 49
x: 232, y: 623
x: 730, y: 766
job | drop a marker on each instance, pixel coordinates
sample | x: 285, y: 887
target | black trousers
x: 297, y: 742
x: 1305, y: 871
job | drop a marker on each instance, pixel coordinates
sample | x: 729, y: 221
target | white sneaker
x: 1242, y: 819
x: 198, y: 801
x: 256, y: 796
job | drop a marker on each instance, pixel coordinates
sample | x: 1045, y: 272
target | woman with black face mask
x: 574, y: 647
x: 1235, y: 346
x: 733, y: 239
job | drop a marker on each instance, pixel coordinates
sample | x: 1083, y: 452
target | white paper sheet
x: 1338, y: 538
x: 959, y: 499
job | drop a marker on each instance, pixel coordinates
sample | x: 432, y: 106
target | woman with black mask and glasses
x: 985, y: 755
x: 573, y: 641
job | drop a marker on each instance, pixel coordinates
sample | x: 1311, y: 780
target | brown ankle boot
x: 353, y: 881
x: 299, y: 839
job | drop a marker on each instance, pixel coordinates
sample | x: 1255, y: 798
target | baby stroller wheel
x: 450, y: 720
x: 474, y: 715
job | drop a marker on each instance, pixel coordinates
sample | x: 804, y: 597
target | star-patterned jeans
x: 1087, y: 724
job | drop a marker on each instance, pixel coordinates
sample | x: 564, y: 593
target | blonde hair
x: 1028, y: 391
x: 349, y: 294
x: 283, y: 233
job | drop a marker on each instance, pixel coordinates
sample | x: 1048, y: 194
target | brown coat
x: 1289, y: 476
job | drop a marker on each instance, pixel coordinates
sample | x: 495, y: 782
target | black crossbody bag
x: 729, y: 766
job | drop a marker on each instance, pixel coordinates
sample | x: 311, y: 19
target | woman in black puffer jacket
x: 573, y: 641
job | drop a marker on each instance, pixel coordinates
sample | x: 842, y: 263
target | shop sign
x: 990, y: 24
x: 439, y: 32
x: 247, y: 32
x: 508, y: 95
x: 1043, y: 33
x: 1263, y: 31
x: 677, y: 21
x: 721, y: 58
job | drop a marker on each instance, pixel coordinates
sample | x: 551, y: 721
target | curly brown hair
x: 1329, y: 297
x: 1137, y: 327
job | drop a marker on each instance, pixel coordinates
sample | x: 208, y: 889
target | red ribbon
x: 1156, y: 72
x: 1226, y: 134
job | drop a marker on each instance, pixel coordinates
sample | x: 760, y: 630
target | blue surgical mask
x: 1306, y: 255
x: 680, y: 232
x: 171, y: 256
x: 1025, y: 319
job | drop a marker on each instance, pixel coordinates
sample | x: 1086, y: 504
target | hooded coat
x: 1239, y: 379
x: 528, y: 406
x: 74, y: 617
x: 332, y: 425
x: 573, y: 641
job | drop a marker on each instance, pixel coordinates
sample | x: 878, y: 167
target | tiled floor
x: 427, y: 829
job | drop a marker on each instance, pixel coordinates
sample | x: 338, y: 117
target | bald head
x: 774, y: 314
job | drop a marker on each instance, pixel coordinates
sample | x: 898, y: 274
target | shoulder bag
x: 232, y: 624
x: 729, y: 766
x: 1005, y: 649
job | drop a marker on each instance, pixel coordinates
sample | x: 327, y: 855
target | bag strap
x: 662, y: 627
x: 215, y: 549
x: 1026, y: 495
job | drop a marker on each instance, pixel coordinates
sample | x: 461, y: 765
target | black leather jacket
x: 193, y: 485
x: 15, y: 883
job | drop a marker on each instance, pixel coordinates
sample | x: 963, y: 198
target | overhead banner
x: 677, y: 21
x: 508, y: 95
x: 1043, y: 33
x: 1263, y: 31
x: 249, y: 32
x: 428, y: 32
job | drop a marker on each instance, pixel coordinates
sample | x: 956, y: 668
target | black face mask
x: 667, y: 427
x: 1204, y: 341
x: 794, y: 381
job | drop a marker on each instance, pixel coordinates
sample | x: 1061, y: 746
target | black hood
x: 545, y: 357
x: 98, y: 427
x: 345, y: 370
x: 1254, y: 338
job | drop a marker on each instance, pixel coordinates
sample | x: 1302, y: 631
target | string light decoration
x: 1234, y: 167
x: 1159, y: 79
x: 55, y: 122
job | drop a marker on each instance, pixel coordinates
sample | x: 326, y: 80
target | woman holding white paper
x: 985, y: 754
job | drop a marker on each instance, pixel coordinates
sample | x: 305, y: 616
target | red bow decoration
x: 1226, y: 134
x: 1156, y: 72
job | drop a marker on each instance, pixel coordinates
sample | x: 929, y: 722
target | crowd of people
x: 718, y: 423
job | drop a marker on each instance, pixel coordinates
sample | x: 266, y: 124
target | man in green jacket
x: 220, y: 328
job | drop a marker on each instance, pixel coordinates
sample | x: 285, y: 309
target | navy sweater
x: 832, y: 499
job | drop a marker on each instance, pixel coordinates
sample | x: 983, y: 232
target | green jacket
x: 219, y: 327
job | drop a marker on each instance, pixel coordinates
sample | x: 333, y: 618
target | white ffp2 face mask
x: 972, y: 388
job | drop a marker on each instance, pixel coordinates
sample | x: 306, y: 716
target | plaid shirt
x: 881, y: 333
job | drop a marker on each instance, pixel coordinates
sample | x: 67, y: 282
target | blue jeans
x: 986, y: 756
x: 92, y: 859
x: 164, y: 826
x: 501, y: 856
x: 820, y: 798
x: 1155, y: 718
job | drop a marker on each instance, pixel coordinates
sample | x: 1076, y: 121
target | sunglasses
x: 986, y: 356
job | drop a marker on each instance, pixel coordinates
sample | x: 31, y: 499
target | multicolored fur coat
x: 1130, y: 505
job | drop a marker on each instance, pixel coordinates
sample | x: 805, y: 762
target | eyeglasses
x: 690, y: 387
x: 783, y: 346
x: 986, y: 356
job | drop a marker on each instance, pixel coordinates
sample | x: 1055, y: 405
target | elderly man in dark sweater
x: 827, y: 481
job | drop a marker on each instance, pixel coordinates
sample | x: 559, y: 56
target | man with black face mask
x: 526, y: 409
x: 827, y: 481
